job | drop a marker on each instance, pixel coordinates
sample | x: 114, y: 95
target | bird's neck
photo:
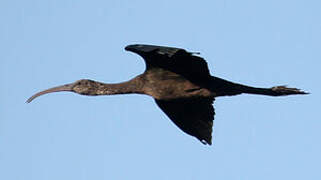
x: 128, y: 87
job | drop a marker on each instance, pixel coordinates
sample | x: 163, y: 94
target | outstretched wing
x: 193, y: 116
x: 173, y: 59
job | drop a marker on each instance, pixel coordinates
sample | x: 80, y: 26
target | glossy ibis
x: 181, y: 85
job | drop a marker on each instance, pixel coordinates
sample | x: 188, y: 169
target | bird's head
x: 83, y: 86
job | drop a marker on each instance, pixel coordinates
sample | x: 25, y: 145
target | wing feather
x: 182, y: 62
x: 173, y: 59
x: 193, y: 116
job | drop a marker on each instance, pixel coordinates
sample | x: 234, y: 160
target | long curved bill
x: 66, y: 87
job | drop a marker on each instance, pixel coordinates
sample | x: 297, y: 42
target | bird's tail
x: 227, y: 88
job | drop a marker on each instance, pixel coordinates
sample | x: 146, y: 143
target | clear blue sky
x: 66, y: 136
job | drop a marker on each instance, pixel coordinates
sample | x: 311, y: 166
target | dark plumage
x: 181, y: 85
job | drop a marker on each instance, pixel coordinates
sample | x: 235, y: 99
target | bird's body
x: 166, y: 85
x: 181, y: 85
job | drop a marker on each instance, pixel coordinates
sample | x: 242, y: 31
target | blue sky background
x: 65, y: 136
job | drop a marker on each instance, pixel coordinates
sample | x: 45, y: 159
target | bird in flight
x: 181, y: 85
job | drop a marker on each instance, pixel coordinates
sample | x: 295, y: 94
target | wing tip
x: 207, y: 141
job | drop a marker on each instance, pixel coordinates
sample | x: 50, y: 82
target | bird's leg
x: 226, y: 88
